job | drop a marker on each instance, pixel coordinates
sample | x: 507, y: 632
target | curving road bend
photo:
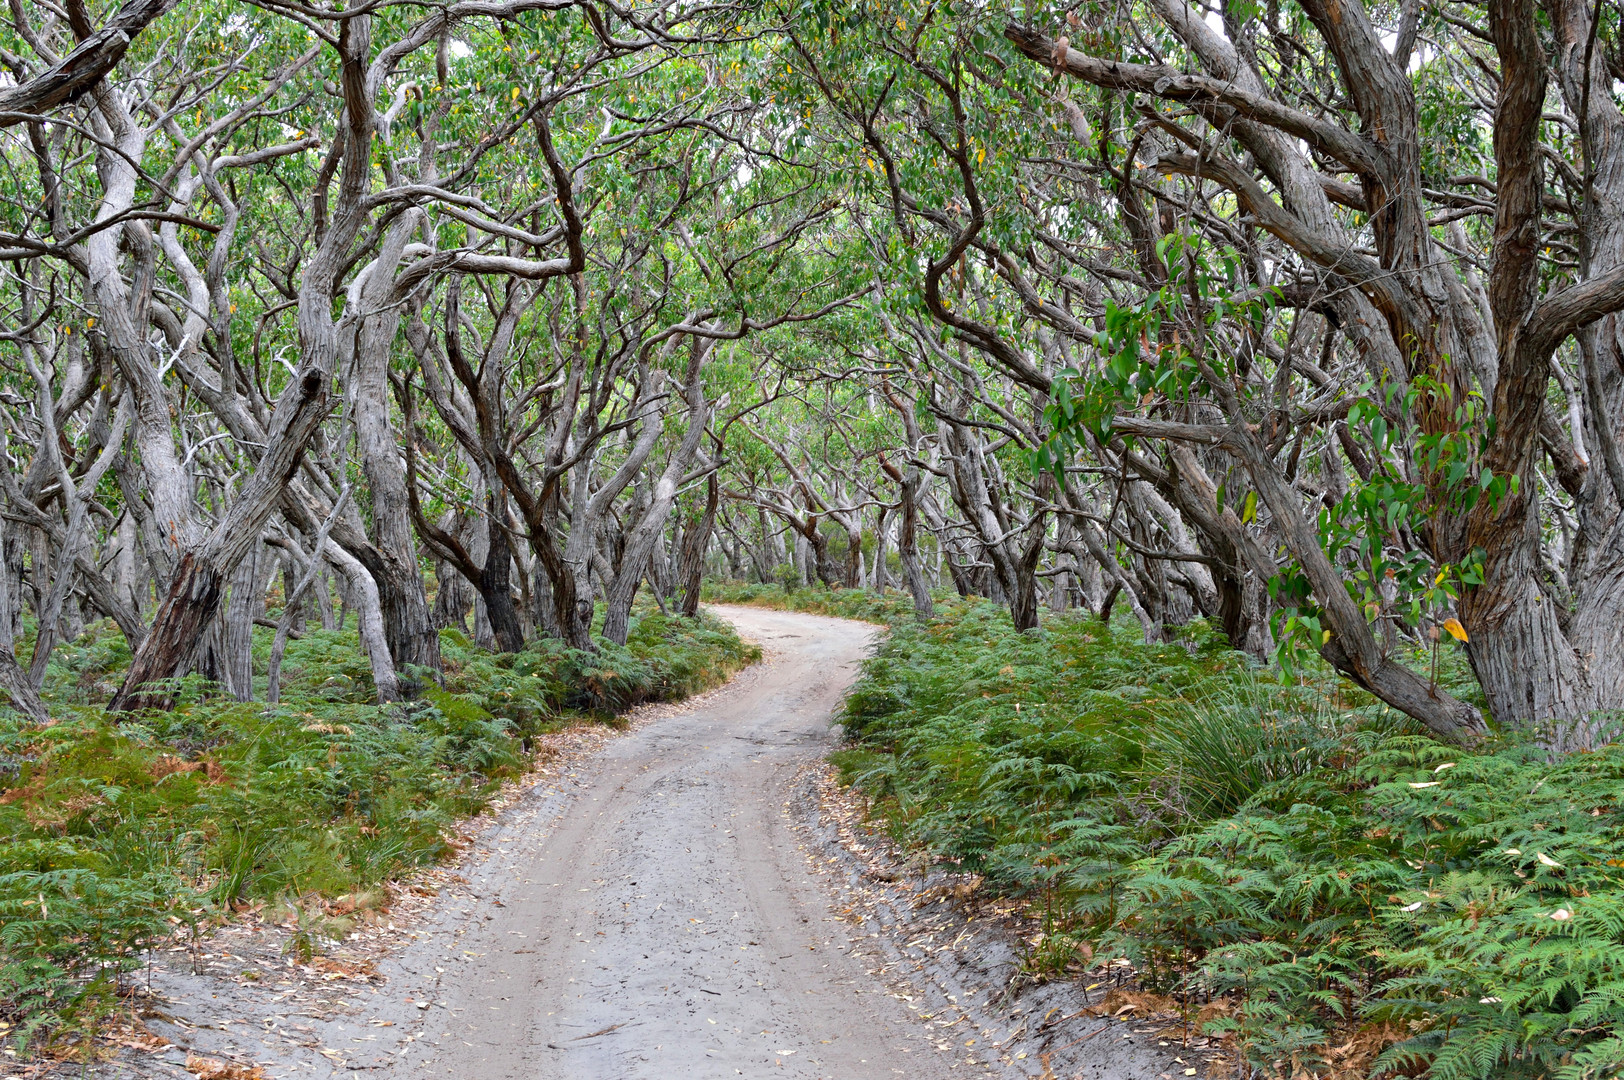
x: 667, y: 925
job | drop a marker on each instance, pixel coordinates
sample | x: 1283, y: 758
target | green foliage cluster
x: 113, y: 833
x: 1293, y: 848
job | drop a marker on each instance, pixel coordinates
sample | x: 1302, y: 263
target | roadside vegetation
x: 119, y: 835
x: 1357, y: 897
x: 1286, y: 328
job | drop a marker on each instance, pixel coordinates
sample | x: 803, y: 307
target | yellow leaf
x: 1456, y: 630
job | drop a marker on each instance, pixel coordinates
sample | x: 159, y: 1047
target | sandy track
x: 668, y: 925
x: 650, y: 913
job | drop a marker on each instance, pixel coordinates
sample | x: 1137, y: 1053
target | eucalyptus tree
x: 699, y: 227
x: 1346, y: 204
x: 1245, y: 265
x: 199, y: 215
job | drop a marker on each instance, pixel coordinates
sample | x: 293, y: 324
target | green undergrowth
x: 116, y: 834
x: 1351, y: 897
x: 860, y: 604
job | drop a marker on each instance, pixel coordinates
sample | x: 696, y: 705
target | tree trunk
x: 193, y: 596
x: 452, y: 599
x: 695, y: 539
x: 496, y: 590
x: 18, y: 687
x: 1023, y: 599
x: 802, y: 577
x: 191, y: 603
x: 237, y: 627
x: 308, y: 574
x: 363, y: 596
x: 880, y: 578
x: 413, y: 640
x: 908, y: 532
x: 852, y: 577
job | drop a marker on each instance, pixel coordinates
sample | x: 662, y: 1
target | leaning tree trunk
x: 191, y: 603
x: 193, y: 596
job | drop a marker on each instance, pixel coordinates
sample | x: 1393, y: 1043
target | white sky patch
x: 1419, y: 54
x: 460, y: 49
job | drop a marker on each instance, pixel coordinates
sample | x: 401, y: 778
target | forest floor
x: 694, y: 897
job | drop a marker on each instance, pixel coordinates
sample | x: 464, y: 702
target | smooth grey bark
x: 650, y: 526
x: 362, y: 595
x: 879, y: 578
x: 371, y: 321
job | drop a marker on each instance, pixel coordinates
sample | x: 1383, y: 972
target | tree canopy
x: 1297, y: 317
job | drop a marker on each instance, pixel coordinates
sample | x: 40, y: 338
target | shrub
x: 1342, y: 878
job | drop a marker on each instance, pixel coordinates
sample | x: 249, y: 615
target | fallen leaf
x: 215, y: 1069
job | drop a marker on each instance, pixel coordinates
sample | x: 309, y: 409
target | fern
x: 1294, y: 847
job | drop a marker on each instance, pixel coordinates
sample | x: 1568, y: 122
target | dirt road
x: 652, y: 911
x: 668, y: 925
